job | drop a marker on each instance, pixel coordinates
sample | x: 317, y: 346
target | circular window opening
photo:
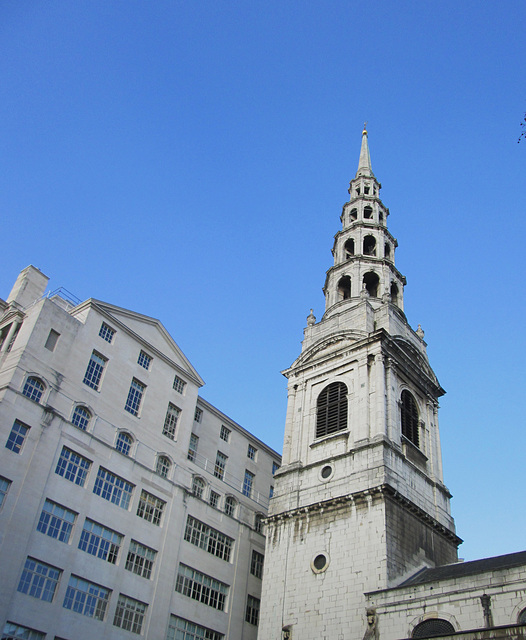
x: 326, y: 472
x: 320, y: 563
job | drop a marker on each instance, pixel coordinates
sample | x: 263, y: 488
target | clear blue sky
x: 189, y: 160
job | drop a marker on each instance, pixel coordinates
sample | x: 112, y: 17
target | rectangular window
x: 181, y: 629
x: 214, y: 499
x: 100, y: 541
x: 17, y: 436
x: 56, y: 521
x: 16, y: 632
x: 87, y: 598
x: 133, y: 402
x: 52, y: 340
x: 192, y: 449
x: 4, y: 488
x: 179, y: 384
x: 256, y: 565
x: 252, y: 612
x: 129, y: 614
x: 39, y: 580
x: 201, y: 587
x: 150, y: 508
x: 198, y: 415
x: 170, y: 421
x: 219, y: 469
x: 275, y: 467
x: 144, y: 360
x: 271, y: 491
x: 93, y: 374
x: 106, y: 332
x: 113, y: 488
x: 140, y: 559
x: 73, y: 467
x: 209, y: 539
x: 225, y: 433
x: 247, y: 484
x: 251, y: 452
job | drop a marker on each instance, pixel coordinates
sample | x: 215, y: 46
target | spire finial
x: 364, y: 165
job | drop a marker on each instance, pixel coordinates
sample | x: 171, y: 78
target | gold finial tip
x: 364, y: 128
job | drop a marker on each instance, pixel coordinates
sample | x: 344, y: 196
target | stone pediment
x: 149, y: 330
x: 328, y: 345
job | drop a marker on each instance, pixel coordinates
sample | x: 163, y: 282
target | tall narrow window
x: 256, y: 566
x: 192, y: 449
x: 247, y: 483
x: 251, y: 452
x: 252, y: 610
x: 225, y: 433
x: 179, y: 384
x: 17, y: 436
x: 33, y: 389
x: 93, y: 374
x: 409, y: 417
x: 135, y: 394
x: 170, y: 421
x: 52, y: 340
x: 198, y: 416
x: 4, y: 488
x: 331, y: 409
x: 219, y: 469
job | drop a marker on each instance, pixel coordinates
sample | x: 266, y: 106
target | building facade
x: 129, y: 504
x: 360, y: 505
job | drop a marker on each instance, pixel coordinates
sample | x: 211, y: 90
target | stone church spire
x: 359, y: 503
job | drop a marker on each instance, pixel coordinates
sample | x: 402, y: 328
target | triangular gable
x: 146, y: 329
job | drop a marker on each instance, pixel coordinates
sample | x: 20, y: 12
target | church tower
x: 359, y: 503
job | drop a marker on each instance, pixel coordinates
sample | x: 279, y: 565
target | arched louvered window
x: 410, y: 418
x: 433, y: 628
x: 331, y: 415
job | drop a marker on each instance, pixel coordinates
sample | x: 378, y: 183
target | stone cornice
x: 384, y: 491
